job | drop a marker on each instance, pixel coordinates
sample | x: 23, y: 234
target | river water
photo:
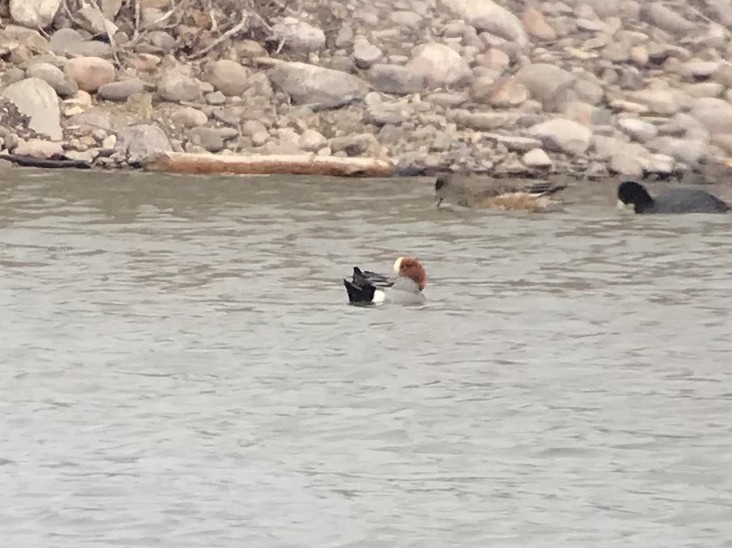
x: 180, y: 368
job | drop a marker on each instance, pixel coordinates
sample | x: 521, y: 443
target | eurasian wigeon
x: 632, y: 195
x: 485, y: 192
x: 406, y: 287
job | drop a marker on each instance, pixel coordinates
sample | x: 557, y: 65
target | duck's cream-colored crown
x: 398, y: 265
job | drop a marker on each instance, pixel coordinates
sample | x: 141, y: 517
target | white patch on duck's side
x: 622, y: 206
x: 379, y: 297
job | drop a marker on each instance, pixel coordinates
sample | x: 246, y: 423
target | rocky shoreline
x: 587, y: 88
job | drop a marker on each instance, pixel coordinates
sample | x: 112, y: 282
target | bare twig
x: 211, y: 16
x: 107, y: 30
x: 137, y: 18
x: 70, y: 15
x: 228, y: 34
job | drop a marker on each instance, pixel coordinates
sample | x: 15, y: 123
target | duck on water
x: 634, y: 196
x: 485, y: 192
x: 366, y: 287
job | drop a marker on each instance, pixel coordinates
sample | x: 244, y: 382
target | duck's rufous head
x: 409, y: 267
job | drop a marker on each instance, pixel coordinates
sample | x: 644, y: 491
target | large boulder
x: 298, y: 35
x: 548, y: 84
x: 228, y: 77
x: 395, y: 79
x: 36, y: 99
x: 174, y: 86
x: 714, y: 114
x: 486, y: 15
x: 90, y: 73
x: 138, y: 143
x: 34, y: 13
x: 121, y: 91
x: 310, y: 84
x: 666, y: 18
x: 60, y: 82
x: 562, y: 136
x: 70, y: 43
x: 439, y: 65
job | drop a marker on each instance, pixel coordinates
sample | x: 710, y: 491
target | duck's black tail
x: 545, y: 188
x: 359, y: 288
x: 359, y: 293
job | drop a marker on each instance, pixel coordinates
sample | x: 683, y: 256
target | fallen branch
x: 30, y: 161
x: 262, y: 164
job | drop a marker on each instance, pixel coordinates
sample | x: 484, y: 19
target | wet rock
x: 562, y: 136
x: 298, y: 35
x: 90, y: 73
x: 228, y: 77
x: 122, y: 90
x: 439, y: 65
x: 489, y: 16
x: 310, y: 84
x: 189, y: 117
x: 137, y: 143
x: 36, y: 99
x: 37, y: 148
x: 395, y: 79
x: 537, y: 158
x: 34, y: 13
x: 55, y: 77
x: 174, y: 86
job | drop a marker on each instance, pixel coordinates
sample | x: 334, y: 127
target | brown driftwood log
x: 260, y: 164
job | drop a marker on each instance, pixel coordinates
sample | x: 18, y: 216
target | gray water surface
x: 180, y: 369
